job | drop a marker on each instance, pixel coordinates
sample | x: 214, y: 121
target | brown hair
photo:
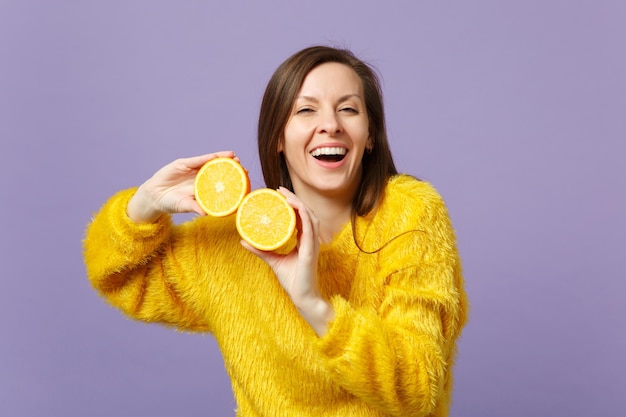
x: 276, y: 107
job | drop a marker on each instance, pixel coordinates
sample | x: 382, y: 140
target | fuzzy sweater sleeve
x: 134, y: 267
x: 397, y: 354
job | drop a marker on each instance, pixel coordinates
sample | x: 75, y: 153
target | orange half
x: 220, y: 186
x: 265, y: 220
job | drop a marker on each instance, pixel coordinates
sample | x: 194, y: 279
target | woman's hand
x: 297, y: 271
x: 170, y: 190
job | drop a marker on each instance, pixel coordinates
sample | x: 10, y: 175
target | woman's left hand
x: 297, y: 270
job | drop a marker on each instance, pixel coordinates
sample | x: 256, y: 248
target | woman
x: 361, y: 318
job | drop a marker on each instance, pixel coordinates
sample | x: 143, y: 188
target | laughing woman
x: 361, y: 318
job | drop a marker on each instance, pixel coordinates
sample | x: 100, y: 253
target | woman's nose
x: 329, y: 123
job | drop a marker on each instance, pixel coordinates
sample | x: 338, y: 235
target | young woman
x: 361, y: 318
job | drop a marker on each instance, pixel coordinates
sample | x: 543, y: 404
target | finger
x: 224, y: 154
x: 268, y: 257
x: 194, y: 207
x: 199, y: 212
x: 185, y: 199
x: 308, y: 236
x: 291, y: 197
x: 188, y: 205
x: 287, y: 193
x: 309, y: 233
x: 195, y: 162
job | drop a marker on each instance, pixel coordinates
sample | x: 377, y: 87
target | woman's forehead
x: 331, y: 78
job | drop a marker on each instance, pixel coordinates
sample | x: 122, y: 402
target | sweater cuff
x: 129, y: 235
x: 332, y: 344
x: 123, y: 223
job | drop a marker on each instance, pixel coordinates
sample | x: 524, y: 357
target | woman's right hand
x: 170, y: 190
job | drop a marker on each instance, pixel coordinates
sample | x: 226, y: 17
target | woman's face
x: 327, y: 133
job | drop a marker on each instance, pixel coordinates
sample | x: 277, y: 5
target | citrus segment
x: 220, y: 186
x: 265, y: 220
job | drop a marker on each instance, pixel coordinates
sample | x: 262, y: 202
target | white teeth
x: 329, y: 151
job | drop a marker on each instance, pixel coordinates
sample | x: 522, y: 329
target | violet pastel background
x: 515, y: 111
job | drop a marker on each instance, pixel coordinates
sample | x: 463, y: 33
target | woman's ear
x: 279, y: 147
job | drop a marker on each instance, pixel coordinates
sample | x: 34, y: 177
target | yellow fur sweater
x: 398, y: 310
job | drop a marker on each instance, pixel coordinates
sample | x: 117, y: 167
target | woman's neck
x: 332, y: 212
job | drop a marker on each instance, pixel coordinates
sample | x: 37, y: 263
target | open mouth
x: 330, y: 154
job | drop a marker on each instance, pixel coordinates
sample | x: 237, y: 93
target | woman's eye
x: 349, y: 110
x: 304, y: 110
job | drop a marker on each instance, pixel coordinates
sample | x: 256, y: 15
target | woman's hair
x: 276, y: 107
